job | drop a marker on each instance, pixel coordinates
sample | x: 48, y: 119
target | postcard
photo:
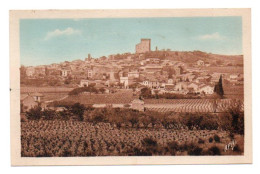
x: 130, y: 87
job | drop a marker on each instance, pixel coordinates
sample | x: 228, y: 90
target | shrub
x: 236, y: 111
x: 99, y: 118
x: 201, y: 141
x: 173, y: 147
x: 210, y: 139
x: 150, y: 146
x: 217, y: 138
x: 138, y: 152
x: 146, y: 93
x: 78, y: 110
x: 214, y: 150
x: 90, y: 89
x: 34, y: 113
x: 149, y: 142
x: 196, y: 151
x: 237, y: 148
x: 64, y: 115
x: 49, y: 114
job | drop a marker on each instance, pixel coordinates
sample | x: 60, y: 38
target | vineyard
x: 72, y: 138
x: 45, y: 89
x: 121, y: 97
x: 187, y: 105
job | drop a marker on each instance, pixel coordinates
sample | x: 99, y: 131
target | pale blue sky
x: 46, y: 41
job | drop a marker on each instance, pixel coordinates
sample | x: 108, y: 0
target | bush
x: 150, y: 146
x: 217, y: 138
x: 173, y: 147
x: 237, y: 148
x: 236, y: 112
x: 195, y: 151
x: 201, y: 141
x: 77, y: 91
x: 214, y: 151
x: 138, y: 152
x: 49, y: 114
x: 78, y: 109
x: 34, y: 113
x: 210, y: 139
x: 64, y: 115
x: 149, y: 142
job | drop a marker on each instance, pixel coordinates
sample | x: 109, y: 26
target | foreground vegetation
x: 86, y: 131
x: 74, y: 138
x: 232, y: 120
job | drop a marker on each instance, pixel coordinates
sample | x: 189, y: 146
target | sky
x: 46, y: 41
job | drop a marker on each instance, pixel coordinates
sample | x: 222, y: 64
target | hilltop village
x: 160, y: 71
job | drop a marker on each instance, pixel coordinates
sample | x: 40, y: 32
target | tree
x: 34, y: 113
x: 156, y: 93
x: 219, y: 87
x: 146, y: 93
x: 236, y: 111
x: 102, y: 90
x: 49, y: 114
x: 78, y: 110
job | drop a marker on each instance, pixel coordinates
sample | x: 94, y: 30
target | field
x: 45, y: 89
x: 49, y: 93
x: 120, y: 97
x: 225, y: 69
x: 187, y: 105
x: 72, y: 138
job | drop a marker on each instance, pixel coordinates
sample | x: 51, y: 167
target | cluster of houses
x: 136, y: 71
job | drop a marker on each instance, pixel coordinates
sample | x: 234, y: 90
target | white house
x: 146, y: 83
x: 180, y: 86
x: 124, y: 81
x: 206, y: 89
x: 133, y: 74
x: 193, y: 86
x: 30, y: 71
x: 170, y: 81
x: 200, y: 63
x: 84, y: 83
x: 233, y: 76
x: 90, y: 73
x: 64, y: 72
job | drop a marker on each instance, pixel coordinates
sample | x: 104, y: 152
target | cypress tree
x: 219, y: 87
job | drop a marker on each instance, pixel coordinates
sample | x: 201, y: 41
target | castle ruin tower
x: 144, y: 46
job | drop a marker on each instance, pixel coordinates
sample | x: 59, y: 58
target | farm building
x: 193, y: 86
x: 30, y: 101
x: 37, y: 96
x: 180, y: 86
x: 206, y: 89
